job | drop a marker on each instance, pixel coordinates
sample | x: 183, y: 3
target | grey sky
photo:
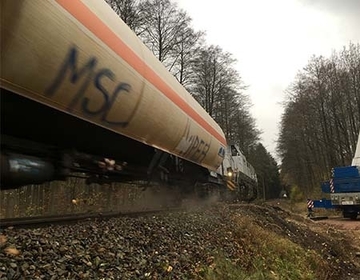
x: 339, y: 7
x: 346, y: 12
x: 272, y: 41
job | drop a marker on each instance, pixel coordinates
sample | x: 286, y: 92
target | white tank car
x: 79, y: 57
x: 73, y: 73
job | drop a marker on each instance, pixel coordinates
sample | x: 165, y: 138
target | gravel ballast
x: 173, y: 245
x: 170, y: 245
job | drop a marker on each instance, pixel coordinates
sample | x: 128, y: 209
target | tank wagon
x: 80, y: 93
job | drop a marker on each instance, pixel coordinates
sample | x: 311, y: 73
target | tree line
x: 321, y: 120
x: 206, y: 71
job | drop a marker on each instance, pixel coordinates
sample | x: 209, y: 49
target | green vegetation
x: 296, y: 195
x: 265, y: 255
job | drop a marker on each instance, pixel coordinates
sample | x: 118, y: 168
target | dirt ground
x: 342, y: 235
x: 349, y: 228
x: 332, y: 220
x: 342, y: 224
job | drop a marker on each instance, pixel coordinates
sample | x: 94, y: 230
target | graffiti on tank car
x: 198, y: 148
x: 193, y: 147
x: 85, y: 76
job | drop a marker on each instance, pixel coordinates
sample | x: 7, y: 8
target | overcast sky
x: 272, y: 41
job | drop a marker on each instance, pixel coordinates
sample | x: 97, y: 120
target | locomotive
x: 81, y: 94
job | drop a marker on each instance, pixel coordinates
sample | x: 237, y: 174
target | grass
x: 268, y: 256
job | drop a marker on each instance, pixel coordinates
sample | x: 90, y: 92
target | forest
x: 321, y: 119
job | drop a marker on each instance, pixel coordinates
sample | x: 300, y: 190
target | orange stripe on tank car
x: 83, y: 14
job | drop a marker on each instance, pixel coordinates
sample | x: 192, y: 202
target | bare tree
x: 188, y: 45
x: 163, y: 22
x: 212, y: 76
x: 129, y: 12
x: 219, y: 89
x: 321, y: 121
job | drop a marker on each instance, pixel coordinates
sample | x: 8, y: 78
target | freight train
x: 82, y: 95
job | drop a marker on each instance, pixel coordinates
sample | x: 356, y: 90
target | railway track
x: 38, y: 221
